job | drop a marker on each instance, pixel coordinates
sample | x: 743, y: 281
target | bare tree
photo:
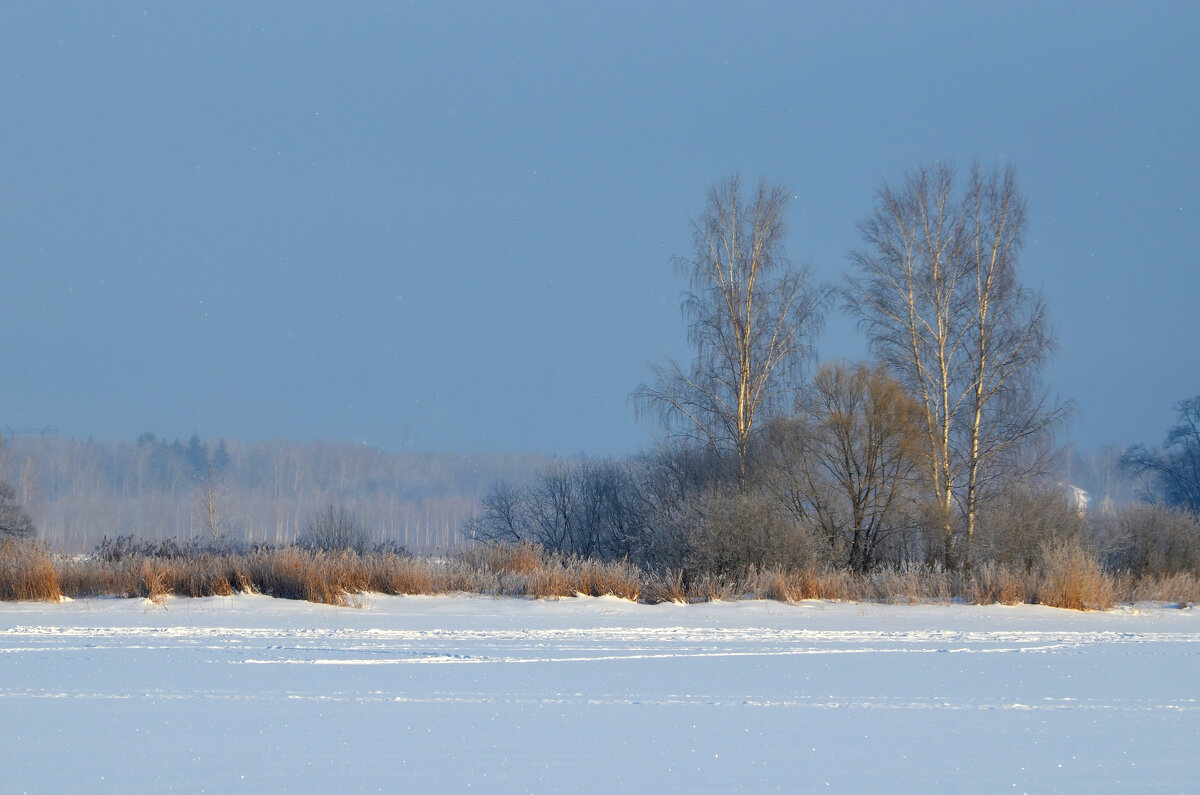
x: 501, y: 517
x: 210, y: 504
x: 590, y: 508
x: 207, y: 470
x: 938, y: 294
x: 751, y: 319
x: 1175, y: 469
x: 672, y: 481
x: 1019, y: 528
x: 848, y: 461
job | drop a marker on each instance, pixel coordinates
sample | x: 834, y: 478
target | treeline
x: 682, y: 509
x: 266, y: 492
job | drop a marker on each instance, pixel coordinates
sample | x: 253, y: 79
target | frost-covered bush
x: 334, y: 529
x: 1017, y: 528
x: 734, y: 531
x: 1148, y: 540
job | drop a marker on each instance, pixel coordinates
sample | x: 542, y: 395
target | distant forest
x: 77, y: 492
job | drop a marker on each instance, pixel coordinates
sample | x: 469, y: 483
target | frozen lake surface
x: 408, y: 694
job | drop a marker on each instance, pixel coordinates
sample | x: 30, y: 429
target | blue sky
x: 448, y: 226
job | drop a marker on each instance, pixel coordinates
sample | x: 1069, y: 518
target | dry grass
x: 992, y: 583
x: 610, y: 579
x: 312, y: 575
x: 1070, y: 576
x: 905, y: 585
x: 786, y: 585
x: 710, y: 587
x: 783, y: 585
x: 153, y: 578
x: 396, y: 574
x: 665, y: 587
x: 335, y: 577
x: 27, y: 572
x: 1181, y: 588
x: 522, y: 558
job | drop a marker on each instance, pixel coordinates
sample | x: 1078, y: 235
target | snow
x: 470, y: 693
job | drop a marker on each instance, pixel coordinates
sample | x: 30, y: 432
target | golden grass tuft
x: 396, y: 574
x: 151, y: 582
x: 609, y: 579
x: 27, y: 572
x: 550, y: 582
x: 992, y: 583
x: 783, y: 585
x: 1072, y: 577
x: 665, y: 587
x: 521, y: 558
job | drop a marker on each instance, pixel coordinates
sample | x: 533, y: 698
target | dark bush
x: 334, y: 529
x: 14, y: 521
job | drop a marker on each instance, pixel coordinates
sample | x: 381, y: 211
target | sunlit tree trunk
x: 937, y: 292
x: 752, y: 319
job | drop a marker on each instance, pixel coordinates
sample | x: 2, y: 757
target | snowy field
x: 456, y: 694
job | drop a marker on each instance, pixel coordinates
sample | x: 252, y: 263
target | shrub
x: 1016, y: 528
x: 333, y: 530
x: 734, y: 532
x: 1149, y: 540
x: 14, y: 521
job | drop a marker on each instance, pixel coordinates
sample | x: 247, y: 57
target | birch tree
x: 938, y: 294
x: 751, y: 319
